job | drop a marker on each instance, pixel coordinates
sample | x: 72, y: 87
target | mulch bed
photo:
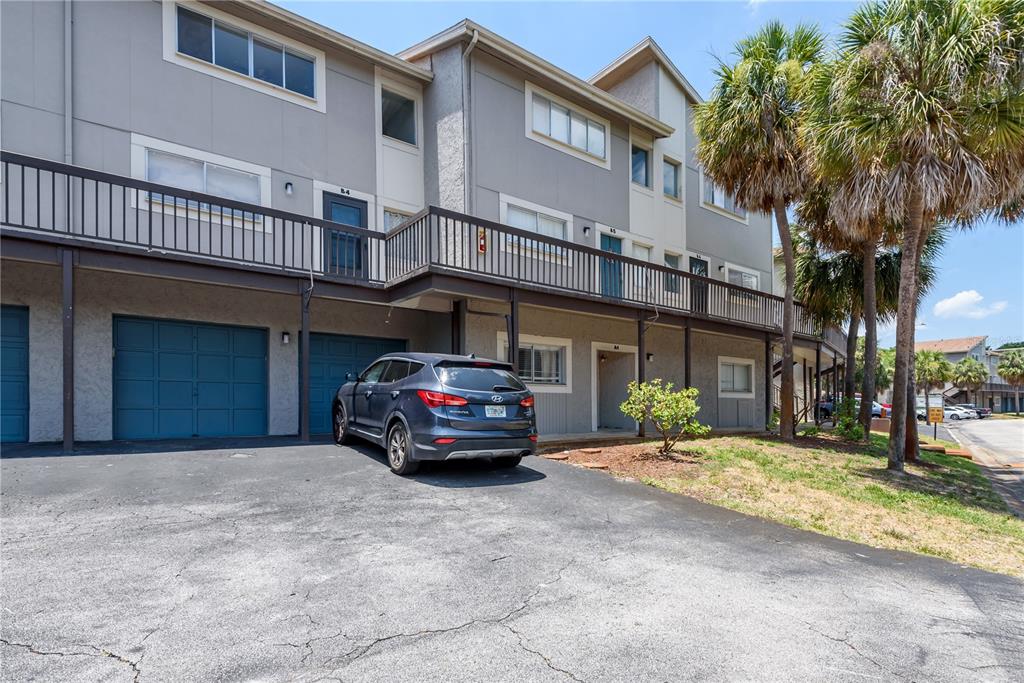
x: 636, y: 460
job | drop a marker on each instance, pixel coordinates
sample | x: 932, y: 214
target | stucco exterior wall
x: 38, y: 287
x: 565, y: 413
x: 444, y: 154
x: 99, y: 296
x: 640, y: 88
x: 707, y: 348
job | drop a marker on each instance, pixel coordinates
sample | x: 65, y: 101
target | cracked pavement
x: 311, y: 562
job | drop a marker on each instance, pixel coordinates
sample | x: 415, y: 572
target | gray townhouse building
x: 214, y: 211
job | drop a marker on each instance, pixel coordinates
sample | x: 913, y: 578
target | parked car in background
x: 956, y: 413
x: 981, y: 412
x: 826, y: 408
x: 430, y: 406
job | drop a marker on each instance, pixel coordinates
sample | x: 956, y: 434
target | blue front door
x: 180, y: 379
x: 331, y: 357
x: 611, y: 270
x: 13, y: 374
x: 344, y: 251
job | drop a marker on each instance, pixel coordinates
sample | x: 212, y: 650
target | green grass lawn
x: 942, y: 506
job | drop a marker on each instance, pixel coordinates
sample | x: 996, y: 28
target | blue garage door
x: 13, y: 374
x: 331, y: 357
x: 176, y: 379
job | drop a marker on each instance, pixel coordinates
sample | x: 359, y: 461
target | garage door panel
x: 208, y: 380
x: 134, y: 364
x: 332, y: 357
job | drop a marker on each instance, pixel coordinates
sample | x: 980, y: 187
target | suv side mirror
x: 351, y: 377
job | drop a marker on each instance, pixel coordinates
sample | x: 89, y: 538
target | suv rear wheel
x: 341, y: 436
x: 399, y: 449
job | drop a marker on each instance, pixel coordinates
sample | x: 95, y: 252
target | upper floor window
x: 392, y: 219
x: 670, y: 178
x: 568, y: 126
x: 243, y: 53
x: 717, y: 197
x: 202, y: 176
x: 398, y: 116
x: 641, y: 169
x: 742, y: 278
x: 641, y: 251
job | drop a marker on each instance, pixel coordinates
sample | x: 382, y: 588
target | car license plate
x: 494, y: 411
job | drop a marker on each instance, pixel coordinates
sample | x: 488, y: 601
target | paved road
x: 313, y: 562
x: 998, y: 445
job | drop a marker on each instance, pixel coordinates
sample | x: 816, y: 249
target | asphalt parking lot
x: 310, y: 562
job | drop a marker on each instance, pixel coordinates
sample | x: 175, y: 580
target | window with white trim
x: 535, y: 221
x: 670, y: 178
x: 717, y: 197
x: 540, y: 363
x: 672, y: 282
x: 211, y: 40
x: 742, y: 278
x: 568, y: 126
x: 641, y: 166
x: 398, y: 116
x: 641, y: 251
x: 735, y: 377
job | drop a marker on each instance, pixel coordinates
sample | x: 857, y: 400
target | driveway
x: 998, y: 445
x: 315, y: 562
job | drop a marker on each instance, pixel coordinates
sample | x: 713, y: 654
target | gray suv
x: 430, y: 406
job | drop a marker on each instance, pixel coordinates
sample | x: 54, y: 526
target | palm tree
x: 748, y: 143
x: 969, y: 374
x: 932, y: 371
x: 920, y: 118
x: 1011, y: 368
x: 833, y: 286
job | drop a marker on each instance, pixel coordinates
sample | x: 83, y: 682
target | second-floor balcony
x: 53, y: 201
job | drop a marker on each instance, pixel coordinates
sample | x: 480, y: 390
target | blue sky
x: 980, y: 289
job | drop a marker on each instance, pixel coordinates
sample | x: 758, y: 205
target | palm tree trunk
x: 867, y: 390
x: 905, y: 327
x: 1016, y: 399
x: 910, y: 452
x: 850, y: 369
x: 787, y: 422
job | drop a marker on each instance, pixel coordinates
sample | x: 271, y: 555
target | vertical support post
x: 806, y: 391
x: 641, y: 364
x: 768, y: 384
x: 68, y: 347
x: 305, y: 294
x: 686, y: 355
x: 835, y: 381
x: 817, y: 382
x: 459, y: 327
x: 513, y: 329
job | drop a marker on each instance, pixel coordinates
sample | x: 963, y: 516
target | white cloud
x: 967, y: 304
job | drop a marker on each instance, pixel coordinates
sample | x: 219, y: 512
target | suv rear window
x: 479, y: 379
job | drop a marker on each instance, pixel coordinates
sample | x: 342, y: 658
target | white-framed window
x: 642, y: 252
x: 717, y: 199
x: 207, y: 39
x: 671, y: 173
x: 743, y: 277
x: 640, y: 165
x: 735, y: 377
x: 535, y: 221
x: 398, y: 116
x: 393, y: 218
x: 558, y: 123
x: 166, y: 163
x: 545, y: 363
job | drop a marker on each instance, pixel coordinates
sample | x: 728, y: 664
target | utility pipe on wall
x: 466, y: 74
x: 68, y: 92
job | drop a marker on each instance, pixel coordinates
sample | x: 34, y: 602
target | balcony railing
x: 68, y: 201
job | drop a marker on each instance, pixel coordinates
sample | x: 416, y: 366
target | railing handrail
x: 179, y: 193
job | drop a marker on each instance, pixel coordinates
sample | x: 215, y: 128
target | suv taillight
x: 527, y: 402
x: 436, y: 399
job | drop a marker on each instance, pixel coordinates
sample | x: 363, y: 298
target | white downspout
x: 467, y: 190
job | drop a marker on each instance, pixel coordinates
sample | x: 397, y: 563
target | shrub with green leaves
x: 846, y: 424
x: 671, y: 412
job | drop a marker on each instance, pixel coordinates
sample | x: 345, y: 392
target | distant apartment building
x: 214, y: 211
x: 995, y: 394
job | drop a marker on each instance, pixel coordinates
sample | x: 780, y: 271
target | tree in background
x: 1011, y: 368
x: 969, y: 374
x: 932, y: 371
x: 918, y: 119
x: 748, y: 143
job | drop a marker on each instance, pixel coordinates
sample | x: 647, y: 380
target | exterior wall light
x: 650, y: 357
x: 286, y: 338
x: 586, y: 229
x: 289, y: 190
